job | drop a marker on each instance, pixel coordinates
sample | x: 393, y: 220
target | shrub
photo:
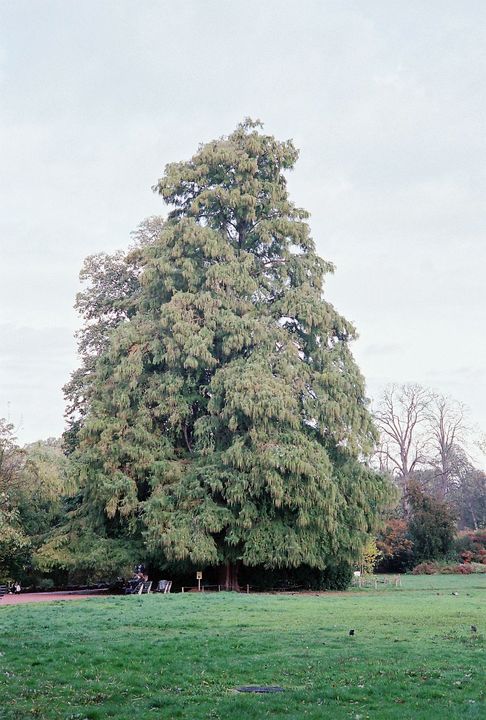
x: 470, y: 546
x: 460, y: 569
x: 304, y: 577
x: 467, y: 556
x: 337, y: 577
x: 425, y: 568
x: 45, y: 584
x: 370, y: 557
x: 395, y: 547
x: 434, y: 568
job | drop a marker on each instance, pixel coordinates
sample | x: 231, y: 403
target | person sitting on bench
x: 133, y: 584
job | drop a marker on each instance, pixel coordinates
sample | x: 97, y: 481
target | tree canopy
x: 32, y: 491
x: 223, y: 418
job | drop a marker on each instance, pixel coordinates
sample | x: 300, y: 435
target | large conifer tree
x: 227, y: 420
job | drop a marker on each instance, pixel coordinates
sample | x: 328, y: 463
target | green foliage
x: 431, y: 526
x: 112, y: 286
x: 85, y: 557
x: 14, y: 544
x: 337, y: 576
x: 33, y: 489
x: 224, y: 418
x: 44, y: 485
x: 304, y: 577
x: 45, y: 584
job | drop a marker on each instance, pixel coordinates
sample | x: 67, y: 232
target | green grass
x: 181, y: 656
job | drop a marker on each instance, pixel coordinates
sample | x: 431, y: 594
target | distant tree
x: 76, y: 553
x: 469, y: 498
x: 470, y: 494
x: 431, y: 525
x: 226, y: 420
x: 446, y: 421
x: 33, y: 500
x: 13, y: 541
x: 425, y: 437
x: 45, y: 484
x: 401, y: 417
x: 11, y: 459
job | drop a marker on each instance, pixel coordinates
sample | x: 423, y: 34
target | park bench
x: 3, y: 590
x: 132, y: 587
x: 138, y: 588
x: 164, y: 586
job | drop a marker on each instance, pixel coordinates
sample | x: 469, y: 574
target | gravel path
x: 48, y: 596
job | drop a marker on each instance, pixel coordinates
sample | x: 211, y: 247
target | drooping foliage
x: 224, y: 418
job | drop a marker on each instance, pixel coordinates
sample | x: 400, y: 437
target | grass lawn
x: 413, y: 655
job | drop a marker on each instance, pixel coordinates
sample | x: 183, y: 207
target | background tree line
x: 426, y: 445
x: 426, y: 437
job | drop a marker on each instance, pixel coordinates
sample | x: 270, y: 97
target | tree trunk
x: 229, y: 576
x: 474, y: 519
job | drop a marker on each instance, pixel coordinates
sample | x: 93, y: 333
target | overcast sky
x: 385, y: 99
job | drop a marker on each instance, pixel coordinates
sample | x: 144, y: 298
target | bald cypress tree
x: 227, y: 420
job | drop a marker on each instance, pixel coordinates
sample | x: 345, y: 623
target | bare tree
x: 446, y: 419
x: 404, y: 435
x: 470, y: 499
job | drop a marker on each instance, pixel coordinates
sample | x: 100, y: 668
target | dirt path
x: 49, y: 596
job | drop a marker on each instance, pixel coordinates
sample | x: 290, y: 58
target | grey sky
x: 385, y: 99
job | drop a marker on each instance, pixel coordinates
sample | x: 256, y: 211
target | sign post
x: 199, y: 578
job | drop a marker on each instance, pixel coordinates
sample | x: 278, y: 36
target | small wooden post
x: 247, y: 589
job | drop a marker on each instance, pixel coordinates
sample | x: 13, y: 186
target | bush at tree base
x: 335, y: 577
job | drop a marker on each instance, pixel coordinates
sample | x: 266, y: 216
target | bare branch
x: 401, y: 418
